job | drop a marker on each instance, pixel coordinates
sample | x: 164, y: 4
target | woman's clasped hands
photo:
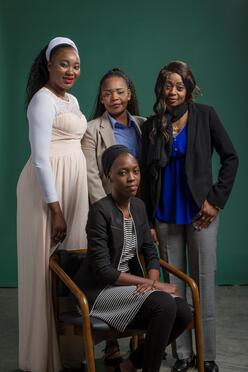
x: 155, y: 284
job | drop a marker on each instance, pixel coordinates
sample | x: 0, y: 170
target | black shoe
x: 183, y: 365
x: 113, y: 362
x: 211, y: 366
x: 114, y: 358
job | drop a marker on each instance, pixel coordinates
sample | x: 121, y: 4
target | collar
x: 116, y: 124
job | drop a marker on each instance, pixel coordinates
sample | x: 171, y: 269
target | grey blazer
x: 99, y: 136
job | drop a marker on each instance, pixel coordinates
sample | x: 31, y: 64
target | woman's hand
x: 154, y: 236
x: 206, y: 215
x: 142, y: 288
x: 164, y: 287
x: 58, y: 228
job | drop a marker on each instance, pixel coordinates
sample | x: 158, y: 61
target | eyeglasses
x: 119, y: 92
x: 180, y: 87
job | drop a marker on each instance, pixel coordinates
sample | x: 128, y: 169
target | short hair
x: 111, y: 154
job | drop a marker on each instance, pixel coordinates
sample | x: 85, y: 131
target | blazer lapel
x: 192, y: 128
x: 137, y: 125
x: 106, y: 131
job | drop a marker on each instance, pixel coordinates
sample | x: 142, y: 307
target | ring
x: 203, y: 218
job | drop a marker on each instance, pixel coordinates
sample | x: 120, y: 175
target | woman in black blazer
x: 182, y: 200
x: 112, y: 276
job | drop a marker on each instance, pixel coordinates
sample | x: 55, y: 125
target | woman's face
x: 64, y: 69
x: 175, y: 91
x: 125, y: 176
x: 115, y: 95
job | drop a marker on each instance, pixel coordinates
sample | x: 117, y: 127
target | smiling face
x: 124, y: 176
x: 115, y: 95
x: 175, y: 91
x: 64, y: 70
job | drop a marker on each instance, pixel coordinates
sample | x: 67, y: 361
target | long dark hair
x: 38, y: 75
x: 181, y: 68
x: 132, y: 106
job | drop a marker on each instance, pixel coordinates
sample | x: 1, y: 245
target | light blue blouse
x: 127, y: 135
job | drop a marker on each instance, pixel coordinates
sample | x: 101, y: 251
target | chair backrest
x: 70, y: 262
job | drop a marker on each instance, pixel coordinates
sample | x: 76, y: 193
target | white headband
x: 58, y: 41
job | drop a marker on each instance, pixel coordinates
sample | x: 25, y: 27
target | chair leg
x: 199, y: 345
x: 135, y: 342
x: 88, y: 346
x: 90, y: 359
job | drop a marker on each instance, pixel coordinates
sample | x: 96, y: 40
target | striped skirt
x: 118, y: 305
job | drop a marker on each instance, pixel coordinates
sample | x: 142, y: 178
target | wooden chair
x: 63, y: 265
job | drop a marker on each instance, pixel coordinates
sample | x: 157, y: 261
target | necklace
x: 179, y: 124
x: 176, y: 128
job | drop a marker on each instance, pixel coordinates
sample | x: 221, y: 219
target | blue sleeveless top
x: 176, y: 204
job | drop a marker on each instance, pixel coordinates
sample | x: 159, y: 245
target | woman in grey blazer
x: 115, y: 121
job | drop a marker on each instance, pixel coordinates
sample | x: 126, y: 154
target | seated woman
x: 112, y: 276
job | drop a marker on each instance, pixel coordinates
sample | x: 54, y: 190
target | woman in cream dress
x: 52, y: 197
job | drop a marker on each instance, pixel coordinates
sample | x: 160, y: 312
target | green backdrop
x: 139, y: 37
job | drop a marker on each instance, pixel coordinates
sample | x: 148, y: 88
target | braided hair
x: 38, y: 75
x: 132, y: 106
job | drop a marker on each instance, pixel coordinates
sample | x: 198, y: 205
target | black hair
x: 111, y: 154
x: 38, y: 75
x: 181, y: 68
x: 132, y: 106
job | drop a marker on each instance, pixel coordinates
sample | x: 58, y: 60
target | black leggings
x: 164, y: 318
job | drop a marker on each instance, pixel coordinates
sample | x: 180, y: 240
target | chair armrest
x: 83, y: 303
x: 188, y: 280
x: 197, y: 312
x: 76, y: 250
x: 73, y: 288
x: 178, y: 273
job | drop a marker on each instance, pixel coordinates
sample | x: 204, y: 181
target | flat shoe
x: 114, y: 358
x: 115, y: 361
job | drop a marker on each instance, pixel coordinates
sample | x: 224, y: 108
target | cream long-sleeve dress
x: 56, y: 171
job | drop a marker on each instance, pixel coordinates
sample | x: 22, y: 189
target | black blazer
x: 105, y: 234
x: 205, y: 133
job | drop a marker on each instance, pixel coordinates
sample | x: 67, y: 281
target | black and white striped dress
x: 118, y: 305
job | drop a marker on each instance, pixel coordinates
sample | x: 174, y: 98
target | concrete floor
x: 232, y: 332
